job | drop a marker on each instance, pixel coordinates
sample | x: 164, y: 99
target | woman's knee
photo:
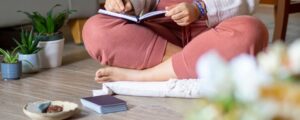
x: 247, y: 25
x: 95, y: 35
x: 248, y: 28
x: 253, y: 26
x: 256, y: 31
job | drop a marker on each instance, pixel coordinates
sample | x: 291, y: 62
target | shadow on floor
x: 81, y: 114
x: 73, y: 57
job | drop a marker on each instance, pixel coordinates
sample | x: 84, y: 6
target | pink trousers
x: 120, y: 43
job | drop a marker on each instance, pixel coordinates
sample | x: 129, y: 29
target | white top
x: 219, y: 10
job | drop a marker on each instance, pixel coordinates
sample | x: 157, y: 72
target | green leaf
x: 39, y: 27
x: 39, y: 22
x: 49, y: 13
x: 28, y: 62
x: 36, y: 50
x: 50, y: 25
x: 15, y: 50
x: 22, y: 47
x: 22, y: 36
x: 3, y: 52
x: 26, y: 13
x: 59, y: 21
x: 29, y: 42
x: 37, y: 16
x: 61, y: 18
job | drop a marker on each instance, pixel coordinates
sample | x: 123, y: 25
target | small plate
x: 69, y: 109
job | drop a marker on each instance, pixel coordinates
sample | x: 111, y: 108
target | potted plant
x: 10, y: 67
x: 51, y: 40
x: 28, y: 51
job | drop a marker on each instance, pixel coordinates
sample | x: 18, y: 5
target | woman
x: 169, y: 47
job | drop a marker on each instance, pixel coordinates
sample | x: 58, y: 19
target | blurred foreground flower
x: 281, y: 62
x: 233, y: 85
x: 247, y: 88
x: 274, y: 61
x: 294, y: 57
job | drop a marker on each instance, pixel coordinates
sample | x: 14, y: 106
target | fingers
x: 172, y: 10
x: 183, y: 13
x: 128, y: 6
x: 120, y: 5
x: 114, y: 6
x: 170, y: 7
x: 182, y: 23
x: 179, y: 16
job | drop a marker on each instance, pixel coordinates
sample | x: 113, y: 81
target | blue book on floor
x: 104, y: 104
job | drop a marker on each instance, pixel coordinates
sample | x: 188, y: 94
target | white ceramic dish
x: 69, y: 109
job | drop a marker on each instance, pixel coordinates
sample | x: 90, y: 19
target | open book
x: 133, y: 18
x: 142, y: 9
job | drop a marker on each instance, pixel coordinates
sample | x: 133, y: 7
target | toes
x: 103, y: 79
x: 103, y: 75
x: 103, y: 72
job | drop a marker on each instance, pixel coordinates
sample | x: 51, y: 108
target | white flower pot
x: 51, y: 54
x: 30, y: 62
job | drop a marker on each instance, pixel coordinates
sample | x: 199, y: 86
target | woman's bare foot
x: 110, y: 74
x: 161, y: 72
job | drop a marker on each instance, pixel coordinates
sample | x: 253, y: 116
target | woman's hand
x: 118, y: 6
x: 183, y: 13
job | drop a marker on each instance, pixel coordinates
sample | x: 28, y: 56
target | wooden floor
x: 266, y: 12
x: 74, y: 80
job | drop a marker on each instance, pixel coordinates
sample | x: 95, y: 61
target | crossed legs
x: 230, y: 38
x: 160, y: 72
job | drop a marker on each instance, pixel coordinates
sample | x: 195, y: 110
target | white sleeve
x: 219, y: 10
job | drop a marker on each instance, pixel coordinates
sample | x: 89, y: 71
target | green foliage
x: 49, y: 24
x: 10, y: 57
x: 28, y: 43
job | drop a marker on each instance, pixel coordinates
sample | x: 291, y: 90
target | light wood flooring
x: 74, y: 80
x: 265, y: 13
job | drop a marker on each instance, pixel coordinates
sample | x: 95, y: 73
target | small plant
x: 50, y: 24
x: 28, y: 43
x: 10, y: 57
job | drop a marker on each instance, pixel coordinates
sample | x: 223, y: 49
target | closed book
x: 104, y: 104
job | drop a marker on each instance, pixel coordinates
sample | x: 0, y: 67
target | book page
x: 127, y: 17
x: 151, y: 14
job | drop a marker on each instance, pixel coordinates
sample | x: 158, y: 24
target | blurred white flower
x: 271, y: 61
x: 241, y: 79
x: 215, y: 74
x: 261, y: 110
x: 294, y: 57
x: 208, y: 112
x: 247, y: 78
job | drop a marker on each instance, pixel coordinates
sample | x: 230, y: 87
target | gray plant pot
x: 30, y: 63
x: 11, y: 71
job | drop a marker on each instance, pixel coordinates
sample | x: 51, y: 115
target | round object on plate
x: 69, y: 109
